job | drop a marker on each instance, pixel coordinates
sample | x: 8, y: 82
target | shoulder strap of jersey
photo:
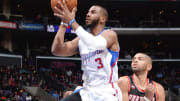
x: 156, y: 95
x: 130, y: 82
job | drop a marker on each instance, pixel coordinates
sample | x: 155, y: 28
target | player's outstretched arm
x: 61, y: 48
x: 106, y: 40
x: 66, y: 16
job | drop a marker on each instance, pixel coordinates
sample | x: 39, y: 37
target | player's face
x: 93, y: 16
x: 139, y: 63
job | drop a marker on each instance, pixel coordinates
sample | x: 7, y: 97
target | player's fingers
x: 65, y: 5
x: 150, y: 85
x: 152, y: 88
x: 58, y: 5
x: 58, y: 10
x: 74, y: 10
x: 61, y: 5
x: 58, y: 15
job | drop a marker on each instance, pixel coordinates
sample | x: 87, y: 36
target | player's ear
x: 149, y: 67
x: 103, y: 19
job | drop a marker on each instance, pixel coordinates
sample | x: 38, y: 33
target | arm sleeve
x: 96, y: 42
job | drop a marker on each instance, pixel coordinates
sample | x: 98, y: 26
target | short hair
x: 146, y: 54
x: 104, y: 11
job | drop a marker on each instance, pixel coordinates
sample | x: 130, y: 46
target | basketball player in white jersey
x: 99, y: 50
x: 137, y: 87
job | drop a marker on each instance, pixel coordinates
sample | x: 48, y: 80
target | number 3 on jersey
x: 99, y: 61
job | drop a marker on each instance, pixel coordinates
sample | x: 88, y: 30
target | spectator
x: 28, y: 97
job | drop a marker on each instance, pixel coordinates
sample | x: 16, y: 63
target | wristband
x: 145, y: 98
x: 70, y: 23
x: 65, y: 24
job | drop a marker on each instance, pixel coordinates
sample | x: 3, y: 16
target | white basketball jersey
x: 98, y: 66
x: 100, y: 74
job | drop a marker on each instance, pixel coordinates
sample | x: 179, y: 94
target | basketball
x: 70, y: 4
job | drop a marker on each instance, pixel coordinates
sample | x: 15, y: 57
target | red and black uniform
x: 136, y: 93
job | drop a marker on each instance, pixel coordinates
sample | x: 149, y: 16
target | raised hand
x: 149, y: 91
x: 62, y: 11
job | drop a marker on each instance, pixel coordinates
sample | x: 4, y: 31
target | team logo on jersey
x: 86, y: 57
x: 136, y: 97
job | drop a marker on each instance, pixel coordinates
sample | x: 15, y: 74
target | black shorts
x: 73, y: 97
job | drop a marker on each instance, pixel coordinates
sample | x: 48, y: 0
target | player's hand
x: 149, y: 91
x: 63, y: 12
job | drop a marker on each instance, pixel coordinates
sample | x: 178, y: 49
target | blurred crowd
x: 14, y: 79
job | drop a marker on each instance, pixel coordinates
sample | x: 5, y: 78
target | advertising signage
x: 8, y: 25
x: 32, y: 27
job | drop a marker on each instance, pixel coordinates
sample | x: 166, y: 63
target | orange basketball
x: 70, y: 4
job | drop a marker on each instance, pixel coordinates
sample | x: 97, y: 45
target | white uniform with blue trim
x: 100, y: 74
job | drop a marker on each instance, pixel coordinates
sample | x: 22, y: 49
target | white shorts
x: 109, y: 92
